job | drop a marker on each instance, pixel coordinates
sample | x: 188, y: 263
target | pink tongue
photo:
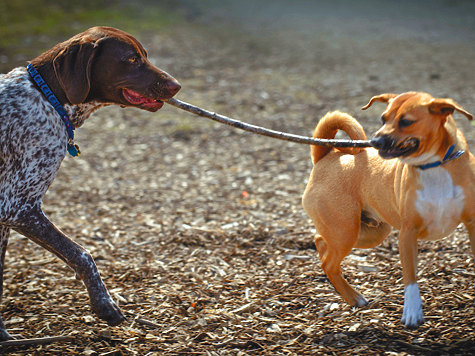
x: 136, y: 98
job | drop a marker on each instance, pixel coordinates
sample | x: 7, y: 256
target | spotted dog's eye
x: 404, y: 122
x: 133, y: 60
x: 383, y: 119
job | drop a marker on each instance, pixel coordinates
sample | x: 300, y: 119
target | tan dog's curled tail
x: 327, y: 128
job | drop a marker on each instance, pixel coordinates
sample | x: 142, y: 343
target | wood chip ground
x: 198, y: 229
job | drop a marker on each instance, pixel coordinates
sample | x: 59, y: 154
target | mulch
x: 198, y: 230
x: 241, y: 291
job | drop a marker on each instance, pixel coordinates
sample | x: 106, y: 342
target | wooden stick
x: 36, y: 341
x: 139, y: 320
x: 266, y: 132
x: 147, y: 323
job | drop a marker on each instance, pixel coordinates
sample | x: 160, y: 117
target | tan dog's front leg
x: 412, y: 314
x: 470, y: 225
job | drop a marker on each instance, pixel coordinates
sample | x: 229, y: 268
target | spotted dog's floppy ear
x: 72, y: 67
x: 447, y: 107
x: 384, y: 98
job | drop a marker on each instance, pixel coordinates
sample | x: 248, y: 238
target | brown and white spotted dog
x: 99, y: 67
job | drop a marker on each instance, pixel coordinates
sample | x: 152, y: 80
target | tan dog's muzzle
x: 389, y: 148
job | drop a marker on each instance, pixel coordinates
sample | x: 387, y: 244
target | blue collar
x: 449, y: 156
x: 73, y: 149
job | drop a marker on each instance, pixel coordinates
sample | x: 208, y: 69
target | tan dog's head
x: 413, y: 126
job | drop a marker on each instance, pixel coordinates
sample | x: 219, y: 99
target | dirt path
x: 199, y: 227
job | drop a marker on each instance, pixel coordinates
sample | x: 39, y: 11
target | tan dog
x: 355, y: 196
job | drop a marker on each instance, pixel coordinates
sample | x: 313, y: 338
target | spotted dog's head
x: 105, y: 65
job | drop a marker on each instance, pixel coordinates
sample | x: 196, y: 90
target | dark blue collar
x: 73, y: 149
x: 449, y: 156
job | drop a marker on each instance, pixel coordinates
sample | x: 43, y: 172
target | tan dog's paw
x: 412, y: 314
x: 361, y: 301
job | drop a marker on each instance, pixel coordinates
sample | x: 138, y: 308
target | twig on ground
x: 266, y: 132
x: 36, y: 341
x: 139, y: 320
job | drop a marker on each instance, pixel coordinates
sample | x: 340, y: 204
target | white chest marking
x: 439, y: 202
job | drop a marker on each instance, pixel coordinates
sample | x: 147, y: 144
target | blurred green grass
x: 28, y: 27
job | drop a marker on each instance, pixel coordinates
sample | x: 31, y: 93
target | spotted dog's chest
x: 33, y: 139
x: 439, y: 203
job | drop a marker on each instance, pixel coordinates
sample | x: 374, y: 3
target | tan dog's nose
x: 383, y: 142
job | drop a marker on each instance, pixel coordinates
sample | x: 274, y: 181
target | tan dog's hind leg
x: 412, y: 314
x: 330, y: 261
x: 339, y: 244
x: 337, y: 234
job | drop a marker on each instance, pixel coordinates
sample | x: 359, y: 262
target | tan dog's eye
x: 404, y: 122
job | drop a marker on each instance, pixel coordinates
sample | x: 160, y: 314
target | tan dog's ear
x: 446, y: 107
x: 384, y: 98
x: 72, y: 67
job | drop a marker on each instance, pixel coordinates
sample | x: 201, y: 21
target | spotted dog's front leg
x: 38, y: 228
x: 4, y: 235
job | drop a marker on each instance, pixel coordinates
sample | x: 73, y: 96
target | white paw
x: 361, y: 301
x: 412, y: 314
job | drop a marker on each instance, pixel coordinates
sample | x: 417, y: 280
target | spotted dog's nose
x: 173, y: 87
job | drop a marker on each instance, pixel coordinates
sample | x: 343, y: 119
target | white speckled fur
x: 33, y: 140
x: 33, y: 137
